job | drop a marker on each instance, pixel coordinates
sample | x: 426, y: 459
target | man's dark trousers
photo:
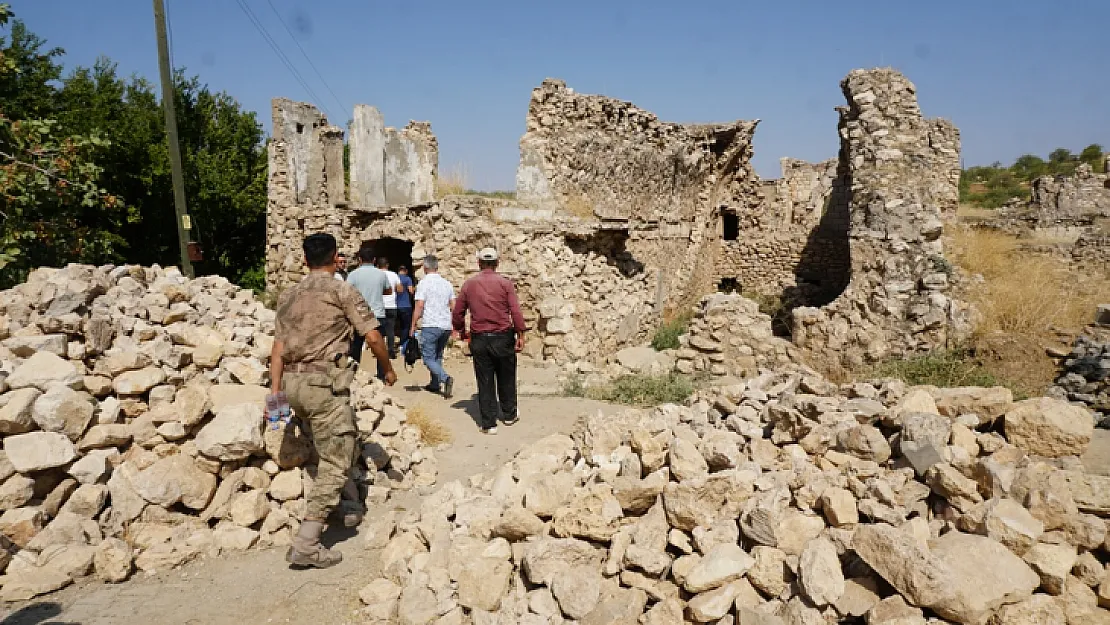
x: 357, y: 343
x: 389, y: 330
x: 404, y: 315
x: 494, y: 357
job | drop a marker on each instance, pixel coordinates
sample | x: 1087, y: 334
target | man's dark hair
x: 319, y: 249
x: 366, y: 254
x: 487, y: 264
x: 402, y: 268
x: 383, y: 262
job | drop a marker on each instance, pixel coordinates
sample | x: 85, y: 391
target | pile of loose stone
x: 782, y: 500
x: 1086, y: 370
x: 131, y: 418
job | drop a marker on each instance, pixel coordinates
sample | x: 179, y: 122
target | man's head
x: 487, y: 258
x: 320, y: 251
x: 403, y: 270
x: 342, y: 261
x: 383, y: 263
x: 431, y: 264
x: 366, y: 254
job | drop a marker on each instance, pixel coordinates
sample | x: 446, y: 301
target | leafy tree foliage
x: 994, y: 185
x: 119, y: 146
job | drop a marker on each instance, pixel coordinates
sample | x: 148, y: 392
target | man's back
x: 314, y: 318
x: 436, y: 293
x: 394, y: 282
x: 370, y: 281
x: 492, y: 302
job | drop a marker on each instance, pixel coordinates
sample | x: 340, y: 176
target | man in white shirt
x: 390, y: 300
x: 434, y: 299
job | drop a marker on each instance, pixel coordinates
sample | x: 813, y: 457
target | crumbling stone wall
x: 794, y: 243
x: 391, y: 167
x: 580, y: 293
x: 904, y: 173
x: 1085, y: 193
x: 305, y: 184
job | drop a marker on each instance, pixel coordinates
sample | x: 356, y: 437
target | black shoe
x: 511, y: 421
x: 448, y: 386
x: 431, y: 389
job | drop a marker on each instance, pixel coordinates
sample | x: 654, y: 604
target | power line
x: 305, y: 55
x: 281, y: 55
x: 169, y: 27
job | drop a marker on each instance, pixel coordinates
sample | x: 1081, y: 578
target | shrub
x: 666, y: 337
x: 573, y: 387
x: 452, y: 182
x: 644, y: 390
x: 945, y: 368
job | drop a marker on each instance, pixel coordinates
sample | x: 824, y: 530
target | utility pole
x: 184, y: 224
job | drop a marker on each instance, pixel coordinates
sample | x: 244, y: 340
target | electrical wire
x: 169, y: 28
x: 305, y: 55
x: 281, y: 55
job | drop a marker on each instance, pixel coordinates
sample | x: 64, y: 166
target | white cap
x: 487, y: 253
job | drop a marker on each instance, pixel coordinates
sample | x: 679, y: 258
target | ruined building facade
x: 622, y: 219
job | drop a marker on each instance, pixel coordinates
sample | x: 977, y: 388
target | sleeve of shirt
x: 280, y: 328
x: 421, y: 291
x: 458, y: 315
x: 514, y: 306
x: 357, y: 310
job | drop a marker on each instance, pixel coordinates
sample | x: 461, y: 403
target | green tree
x: 1092, y: 155
x: 1060, y: 156
x: 52, y: 209
x: 1028, y: 167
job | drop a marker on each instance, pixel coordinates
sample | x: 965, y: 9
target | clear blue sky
x: 1016, y: 76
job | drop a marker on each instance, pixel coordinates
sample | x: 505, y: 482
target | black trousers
x: 494, y: 357
x: 389, y: 330
x: 358, y: 341
x: 404, y: 315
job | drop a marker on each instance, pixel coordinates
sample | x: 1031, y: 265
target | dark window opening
x: 730, y: 224
x: 397, y: 251
x: 300, y: 129
x: 728, y: 285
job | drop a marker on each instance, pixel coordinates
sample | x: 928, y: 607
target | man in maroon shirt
x: 496, y: 334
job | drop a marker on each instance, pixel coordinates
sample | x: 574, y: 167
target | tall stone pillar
x: 367, y: 145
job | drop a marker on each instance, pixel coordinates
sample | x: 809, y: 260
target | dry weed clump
x: 1024, y: 293
x: 432, y: 430
x: 453, y: 182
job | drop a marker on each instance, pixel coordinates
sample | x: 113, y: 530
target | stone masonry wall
x: 904, y: 174
x: 391, y: 167
x: 305, y: 184
x: 795, y: 242
x: 1085, y: 193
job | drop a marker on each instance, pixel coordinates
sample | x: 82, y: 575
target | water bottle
x: 278, y: 411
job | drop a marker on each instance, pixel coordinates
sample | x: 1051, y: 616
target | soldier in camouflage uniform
x: 314, y: 326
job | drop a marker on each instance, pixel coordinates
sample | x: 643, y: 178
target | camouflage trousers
x: 329, y: 416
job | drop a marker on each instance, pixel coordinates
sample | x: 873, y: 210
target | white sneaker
x: 492, y: 430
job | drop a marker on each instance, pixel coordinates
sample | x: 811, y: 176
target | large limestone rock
x: 32, y: 582
x: 545, y: 557
x: 577, y: 591
x: 15, y: 410
x: 483, y: 583
x: 44, y: 370
x: 986, y: 403
x: 819, y: 572
x: 233, y: 434
x: 984, y: 577
x: 16, y: 491
x: 721, y: 565
x: 175, y: 479
x: 113, y: 560
x: 36, y: 451
x: 685, y: 461
x: 921, y: 577
x: 62, y: 409
x: 1049, y: 427
x: 704, y: 500
x: 138, y: 382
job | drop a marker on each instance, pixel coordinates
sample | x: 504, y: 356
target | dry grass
x: 1023, y: 293
x: 432, y: 430
x: 452, y: 182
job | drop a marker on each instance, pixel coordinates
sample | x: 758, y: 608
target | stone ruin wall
x: 619, y: 220
x: 305, y: 184
x: 598, y: 158
x: 306, y: 190
x: 793, y: 243
x: 904, y: 173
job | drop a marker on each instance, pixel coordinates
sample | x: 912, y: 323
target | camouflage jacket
x: 315, y: 318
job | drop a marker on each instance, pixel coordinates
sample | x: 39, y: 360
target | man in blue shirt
x: 372, y: 283
x: 404, y: 303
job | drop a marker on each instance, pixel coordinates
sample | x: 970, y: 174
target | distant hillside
x: 993, y: 185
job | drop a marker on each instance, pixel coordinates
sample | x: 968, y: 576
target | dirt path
x: 258, y: 586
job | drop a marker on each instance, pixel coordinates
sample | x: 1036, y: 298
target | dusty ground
x: 258, y: 586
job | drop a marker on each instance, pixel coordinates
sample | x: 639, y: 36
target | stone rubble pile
x: 131, y: 419
x: 782, y: 500
x: 731, y: 337
x: 1086, y: 370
